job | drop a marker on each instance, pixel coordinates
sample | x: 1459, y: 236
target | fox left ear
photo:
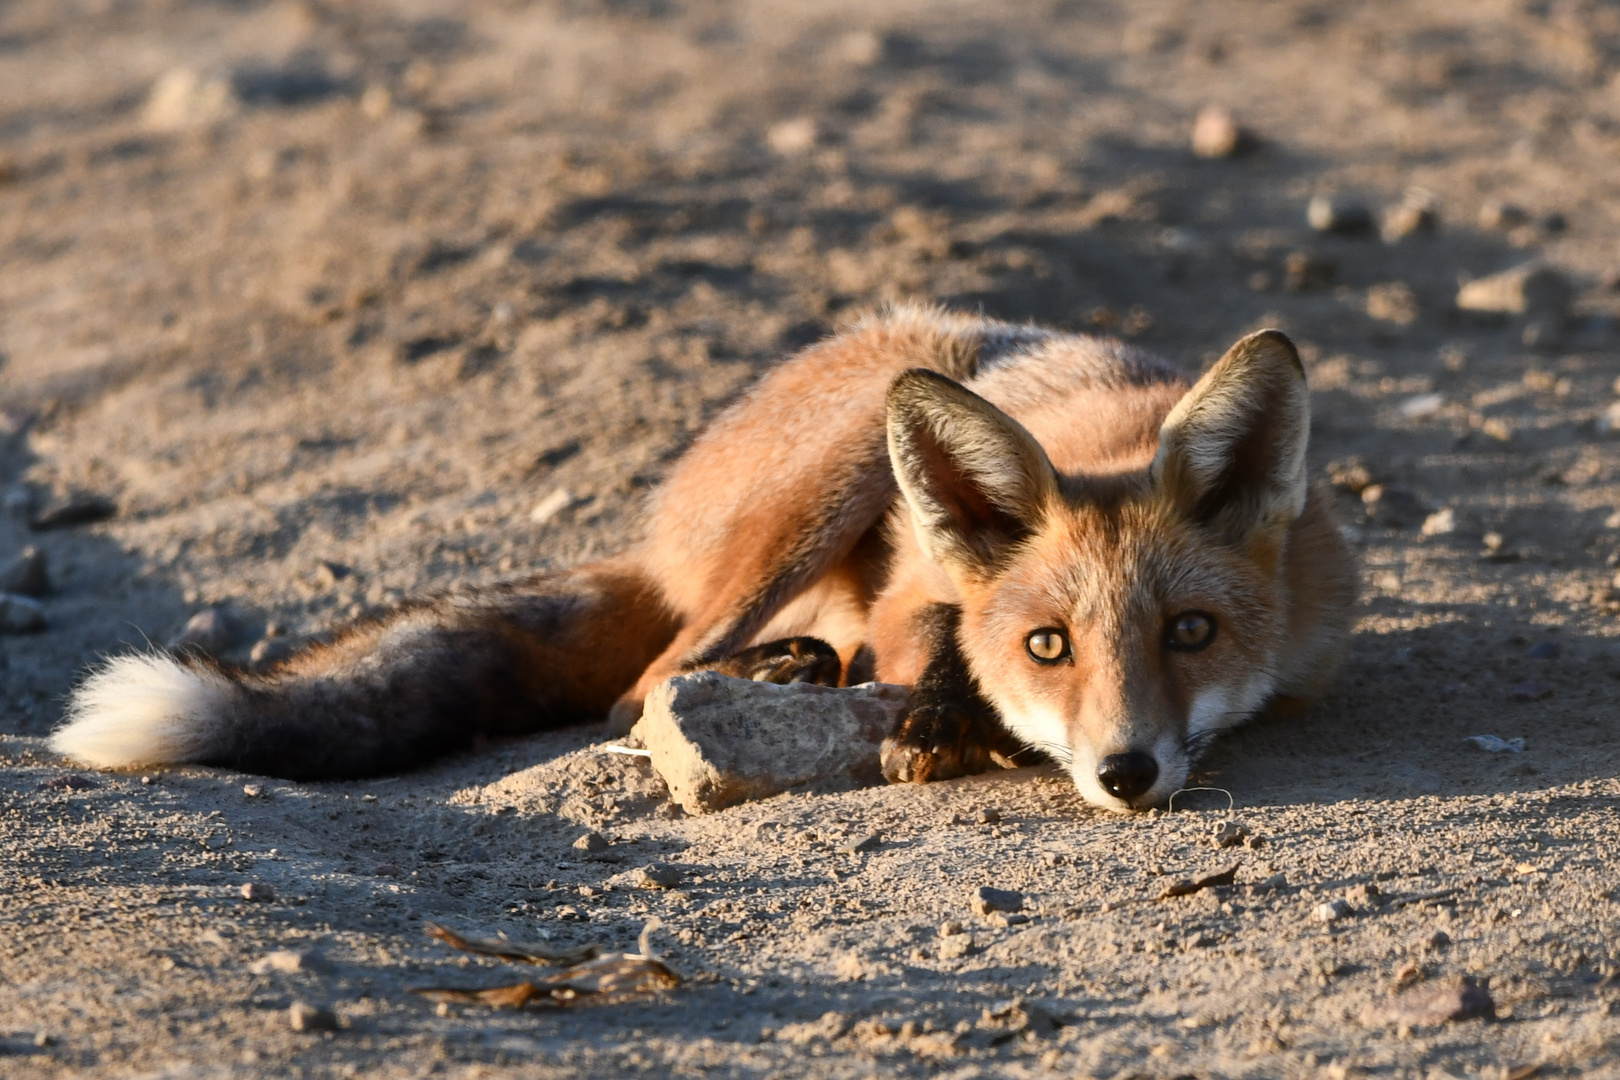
x: 1232, y: 452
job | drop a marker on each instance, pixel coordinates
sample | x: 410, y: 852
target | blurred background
x: 309, y: 306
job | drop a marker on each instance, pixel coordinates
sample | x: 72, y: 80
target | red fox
x: 1058, y: 542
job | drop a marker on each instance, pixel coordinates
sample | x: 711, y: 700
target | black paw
x: 939, y: 739
x: 791, y: 660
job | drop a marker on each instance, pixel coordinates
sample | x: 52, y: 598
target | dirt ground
x: 332, y: 297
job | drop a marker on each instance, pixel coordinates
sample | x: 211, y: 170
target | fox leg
x: 950, y: 729
x: 790, y: 660
x: 386, y: 695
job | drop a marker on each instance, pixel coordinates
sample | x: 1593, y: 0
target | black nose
x: 1125, y: 776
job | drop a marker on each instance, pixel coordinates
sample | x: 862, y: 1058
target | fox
x: 1063, y: 545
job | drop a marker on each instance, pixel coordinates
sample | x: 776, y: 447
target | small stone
x: 210, y: 632
x: 269, y: 651
x: 1432, y: 1004
x: 20, y: 614
x: 1303, y: 272
x: 1422, y: 406
x: 1442, y: 522
x: 1338, y: 214
x: 1189, y: 886
x: 79, y: 508
x: 1417, y: 214
x: 984, y: 899
x: 950, y: 928
x: 1216, y: 134
x: 790, y: 138
x: 1532, y: 288
x: 1352, y: 475
x: 328, y: 573
x: 1393, y: 507
x: 989, y: 816
x: 1364, y: 895
x: 388, y: 869
x: 1608, y: 421
x: 658, y: 876
x: 1502, y: 216
x: 183, y: 98
x: 1003, y: 919
x: 253, y: 791
x: 1331, y: 911
x: 27, y: 575
x: 258, y: 892
x: 42, y: 1039
x: 956, y: 946
x: 1530, y: 690
x: 1393, y: 301
x: 1544, y: 650
x: 1229, y: 834
x: 550, y: 506
x: 1436, y: 942
x: 591, y: 843
x: 288, y: 961
x: 717, y: 740
x: 868, y: 842
x: 302, y: 1016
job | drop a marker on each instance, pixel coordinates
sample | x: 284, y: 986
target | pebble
x: 253, y: 791
x: 1003, y: 920
x: 658, y: 876
x: 287, y: 961
x: 1429, y: 1005
x: 1331, y: 911
x: 984, y: 899
x: 302, y: 1016
x: 328, y: 573
x: 1442, y: 522
x: 868, y: 842
x: 950, y: 928
x: 1436, y: 942
x: 183, y: 98
x: 591, y: 843
x: 1531, y: 288
x: 1364, y: 895
x: 1393, y: 507
x: 79, y: 508
x: 388, y: 869
x: 1530, y: 690
x: 28, y: 574
x: 989, y: 816
x: 791, y: 138
x: 718, y: 741
x: 258, y: 892
x: 269, y: 651
x: 1416, y: 214
x: 956, y: 947
x: 1421, y: 406
x: 550, y: 506
x: 1188, y: 886
x: 1216, y: 133
x: 1229, y: 834
x: 211, y: 632
x: 1502, y: 216
x: 20, y: 614
x: 1303, y: 272
x: 1338, y: 214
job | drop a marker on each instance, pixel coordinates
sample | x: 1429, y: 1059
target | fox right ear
x: 1232, y: 452
x: 975, y: 481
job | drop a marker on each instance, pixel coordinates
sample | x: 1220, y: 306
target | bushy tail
x: 389, y: 694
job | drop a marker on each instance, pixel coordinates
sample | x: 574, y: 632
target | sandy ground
x: 330, y: 296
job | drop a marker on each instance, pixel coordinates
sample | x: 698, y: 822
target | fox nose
x: 1126, y: 776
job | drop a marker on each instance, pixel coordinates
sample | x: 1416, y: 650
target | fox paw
x: 938, y: 740
x: 790, y: 660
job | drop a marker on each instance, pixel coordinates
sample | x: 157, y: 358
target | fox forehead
x: 1116, y: 567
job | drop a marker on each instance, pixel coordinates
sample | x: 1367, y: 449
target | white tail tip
x: 144, y: 710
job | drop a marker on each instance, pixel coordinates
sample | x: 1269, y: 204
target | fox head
x: 1117, y: 622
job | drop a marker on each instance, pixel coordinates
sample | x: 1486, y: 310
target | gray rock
x: 717, y: 741
x: 984, y: 900
x: 1432, y: 1004
x: 1417, y: 214
x: 20, y: 614
x: 1531, y: 288
x: 1332, y: 911
x: 302, y: 1016
x: 658, y: 876
x: 591, y: 843
x: 211, y: 631
x: 258, y: 892
x: 288, y: 961
x: 1338, y: 214
x: 28, y: 575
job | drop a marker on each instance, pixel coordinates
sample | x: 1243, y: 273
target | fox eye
x: 1189, y: 632
x: 1047, y: 646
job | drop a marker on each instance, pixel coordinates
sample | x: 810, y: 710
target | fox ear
x: 1232, y: 452
x: 976, y: 482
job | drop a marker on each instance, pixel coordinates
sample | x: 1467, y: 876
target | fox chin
x: 1060, y: 543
